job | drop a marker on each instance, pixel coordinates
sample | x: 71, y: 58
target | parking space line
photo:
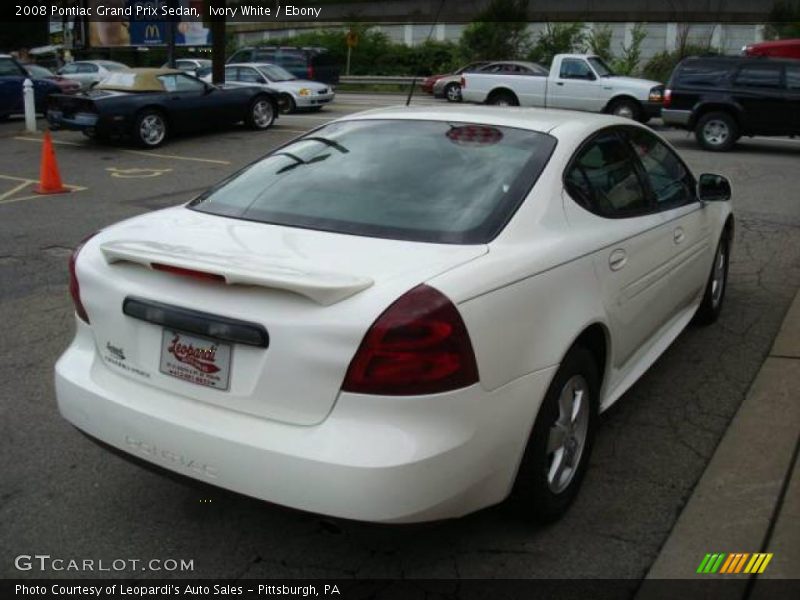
x: 7, y: 197
x: 137, y: 152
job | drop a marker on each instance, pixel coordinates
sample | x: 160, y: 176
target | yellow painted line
x: 7, y: 199
x: 137, y: 152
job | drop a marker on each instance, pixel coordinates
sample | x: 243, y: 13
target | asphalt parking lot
x: 61, y: 495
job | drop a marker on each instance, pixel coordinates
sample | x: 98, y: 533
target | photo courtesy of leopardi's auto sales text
x: 400, y: 299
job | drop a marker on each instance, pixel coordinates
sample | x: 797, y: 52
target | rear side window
x: 440, y: 182
x: 759, y: 76
x: 603, y: 179
x: 703, y: 73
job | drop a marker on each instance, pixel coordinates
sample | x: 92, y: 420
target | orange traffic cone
x: 49, y: 178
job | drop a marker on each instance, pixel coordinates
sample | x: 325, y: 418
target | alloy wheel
x: 152, y: 130
x: 567, y: 438
x: 262, y: 114
x: 716, y: 132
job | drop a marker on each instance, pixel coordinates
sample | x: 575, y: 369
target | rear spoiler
x: 323, y: 287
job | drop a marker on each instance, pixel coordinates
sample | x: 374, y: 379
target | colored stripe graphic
x: 733, y: 563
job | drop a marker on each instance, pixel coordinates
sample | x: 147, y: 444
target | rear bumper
x: 676, y: 118
x: 652, y: 110
x: 383, y: 459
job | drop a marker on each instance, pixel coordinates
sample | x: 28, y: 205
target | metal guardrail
x: 378, y: 80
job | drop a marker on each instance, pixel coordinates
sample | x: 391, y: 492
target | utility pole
x: 170, y: 36
x: 217, y: 26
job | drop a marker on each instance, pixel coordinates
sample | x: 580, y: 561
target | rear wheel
x: 711, y: 306
x: 717, y: 131
x: 452, y: 92
x: 502, y: 98
x: 261, y: 114
x: 150, y: 129
x: 558, y: 450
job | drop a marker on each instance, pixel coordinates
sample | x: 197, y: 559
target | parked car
x: 12, y: 76
x: 293, y: 93
x: 775, y: 48
x: 450, y: 87
x: 401, y: 331
x: 90, y: 72
x: 429, y: 82
x: 575, y: 81
x: 152, y: 104
x: 65, y: 86
x: 198, y: 67
x: 313, y: 63
x: 724, y: 98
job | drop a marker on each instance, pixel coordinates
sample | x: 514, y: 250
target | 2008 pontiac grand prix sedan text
x: 404, y: 315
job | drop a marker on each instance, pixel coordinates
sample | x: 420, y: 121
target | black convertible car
x: 152, y: 104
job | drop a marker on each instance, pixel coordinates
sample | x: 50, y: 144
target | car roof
x: 533, y: 119
x: 740, y: 59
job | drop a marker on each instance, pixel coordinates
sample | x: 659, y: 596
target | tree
x: 558, y: 38
x: 628, y: 63
x: 500, y: 32
x: 784, y: 21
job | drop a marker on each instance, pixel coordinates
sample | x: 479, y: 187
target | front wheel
x: 261, y: 114
x: 558, y: 450
x: 150, y: 130
x: 453, y: 92
x: 711, y: 306
x: 626, y: 108
x: 286, y: 104
x: 716, y: 131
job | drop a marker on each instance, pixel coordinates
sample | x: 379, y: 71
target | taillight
x: 74, y: 287
x: 419, y: 345
x: 667, y: 98
x: 310, y: 72
x: 463, y: 82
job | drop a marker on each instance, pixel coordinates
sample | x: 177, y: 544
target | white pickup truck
x: 575, y: 81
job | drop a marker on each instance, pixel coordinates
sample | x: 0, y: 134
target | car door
x: 11, y: 78
x: 793, y: 95
x: 575, y: 87
x: 190, y: 105
x: 672, y: 187
x: 609, y: 204
x: 759, y: 90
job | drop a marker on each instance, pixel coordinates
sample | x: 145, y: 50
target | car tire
x: 714, y: 295
x: 717, y: 131
x: 287, y: 104
x: 502, y: 98
x: 557, y: 454
x: 261, y: 114
x: 452, y: 92
x: 626, y: 108
x: 150, y: 128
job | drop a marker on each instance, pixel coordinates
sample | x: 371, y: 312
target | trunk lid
x: 315, y: 293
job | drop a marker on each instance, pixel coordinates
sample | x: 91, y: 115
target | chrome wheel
x: 152, y: 129
x: 567, y: 438
x: 453, y: 92
x: 716, y: 132
x: 718, y: 275
x: 263, y: 114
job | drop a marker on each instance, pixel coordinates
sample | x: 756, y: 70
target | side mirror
x: 208, y: 88
x: 713, y: 188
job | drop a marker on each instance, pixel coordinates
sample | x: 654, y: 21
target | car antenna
x: 430, y: 35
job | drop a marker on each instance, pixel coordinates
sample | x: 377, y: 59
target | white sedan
x: 293, y: 93
x: 404, y: 315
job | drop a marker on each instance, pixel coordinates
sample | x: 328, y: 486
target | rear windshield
x: 428, y: 181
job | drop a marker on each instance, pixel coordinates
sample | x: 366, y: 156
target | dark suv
x: 723, y: 98
x: 313, y: 63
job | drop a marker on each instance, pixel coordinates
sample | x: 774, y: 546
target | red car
x: 777, y: 48
x: 428, y: 83
x: 67, y: 86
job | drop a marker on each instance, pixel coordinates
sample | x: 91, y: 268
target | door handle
x: 618, y: 259
x: 678, y: 235
x: 559, y: 83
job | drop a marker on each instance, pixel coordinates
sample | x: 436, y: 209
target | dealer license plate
x: 195, y: 359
